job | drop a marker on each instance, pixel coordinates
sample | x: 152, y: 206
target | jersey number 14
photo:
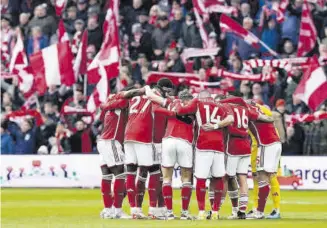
x: 211, y: 117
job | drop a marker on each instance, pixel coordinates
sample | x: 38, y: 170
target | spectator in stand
x: 25, y: 138
x: 294, y: 141
x: 190, y: 35
x: 82, y: 10
x: 176, y: 24
x: 52, y: 95
x: 144, y: 21
x: 288, y: 49
x: 81, y: 141
x: 175, y: 63
x: 95, y: 33
x: 259, y: 93
x: 270, y: 36
x: 46, y: 22
x: 23, y: 23
x: 154, y: 12
x: 60, y: 143
x: 7, y: 144
x: 7, y: 101
x: 279, y: 119
x: 245, y: 11
x: 315, y: 142
x: 212, y: 41
x: 70, y: 19
x: 245, y: 89
x: 291, y: 24
x: 94, y: 3
x: 37, y: 41
x: 137, y: 70
x: 161, y: 38
x: 243, y: 48
x: 140, y: 42
x: 162, y: 66
x: 77, y: 38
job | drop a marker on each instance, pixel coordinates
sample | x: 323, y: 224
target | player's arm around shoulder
x: 187, y: 109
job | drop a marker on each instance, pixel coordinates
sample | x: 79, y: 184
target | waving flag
x: 19, y: 65
x: 60, y: 6
x: 203, y: 32
x: 81, y: 58
x: 53, y: 66
x: 61, y: 32
x: 109, y: 54
x: 312, y: 89
x: 308, y: 32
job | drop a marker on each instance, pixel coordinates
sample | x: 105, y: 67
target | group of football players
x: 147, y: 132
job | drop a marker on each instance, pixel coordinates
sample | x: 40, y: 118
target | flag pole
x: 268, y: 48
x: 85, y: 85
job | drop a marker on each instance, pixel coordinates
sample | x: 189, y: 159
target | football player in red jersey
x: 210, y: 145
x: 268, y: 156
x: 114, y: 115
x: 177, y: 148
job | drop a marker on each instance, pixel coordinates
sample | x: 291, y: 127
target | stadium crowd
x: 153, y: 34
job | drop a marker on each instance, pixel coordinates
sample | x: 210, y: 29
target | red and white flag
x: 281, y: 10
x: 199, y: 6
x: 308, y: 32
x: 109, y: 54
x: 53, y: 66
x: 100, y: 93
x: 203, y: 32
x: 19, y: 65
x: 60, y: 6
x: 227, y: 24
x: 218, y: 6
x: 61, y: 32
x: 312, y: 89
x: 80, y: 64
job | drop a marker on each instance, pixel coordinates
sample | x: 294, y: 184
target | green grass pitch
x: 80, y: 208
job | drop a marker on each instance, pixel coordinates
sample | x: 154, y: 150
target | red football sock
x: 218, y: 188
x: 243, y: 202
x: 119, y: 190
x: 186, y: 195
x: 140, y: 190
x: 201, y: 193
x: 130, y: 188
x: 106, y: 191
x: 154, y: 181
x: 263, y: 195
x: 167, y: 192
x: 161, y: 201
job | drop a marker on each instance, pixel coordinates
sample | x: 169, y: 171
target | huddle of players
x: 161, y: 126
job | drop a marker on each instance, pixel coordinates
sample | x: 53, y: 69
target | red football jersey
x: 177, y: 128
x: 160, y: 123
x: 265, y: 133
x: 115, y: 117
x: 207, y: 111
x: 139, y: 126
x: 238, y: 141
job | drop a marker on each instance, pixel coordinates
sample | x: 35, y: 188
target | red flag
x: 19, y: 66
x: 199, y: 6
x: 109, y: 54
x: 308, y: 32
x: 100, y: 93
x: 60, y: 6
x: 176, y: 78
x: 203, y: 32
x: 227, y: 24
x: 53, y: 66
x: 61, y: 32
x: 80, y: 64
x: 312, y: 89
x: 281, y: 10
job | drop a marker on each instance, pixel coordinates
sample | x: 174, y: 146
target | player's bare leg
x: 119, y: 191
x: 218, y: 185
x: 154, y: 184
x: 186, y: 175
x: 167, y: 190
x: 106, y: 192
x: 140, y: 191
x: 264, y: 189
x: 130, y: 186
x: 233, y: 195
x: 244, y: 198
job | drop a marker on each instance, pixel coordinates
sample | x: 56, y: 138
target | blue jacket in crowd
x: 7, y: 144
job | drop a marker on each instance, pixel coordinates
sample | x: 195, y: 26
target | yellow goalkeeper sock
x: 255, y: 192
x: 275, y: 191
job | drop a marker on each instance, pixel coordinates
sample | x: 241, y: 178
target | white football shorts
x: 111, y: 152
x: 268, y: 157
x: 237, y: 165
x: 209, y: 163
x: 176, y: 151
x: 140, y: 154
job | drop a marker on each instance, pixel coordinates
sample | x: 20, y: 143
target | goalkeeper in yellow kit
x: 273, y: 182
